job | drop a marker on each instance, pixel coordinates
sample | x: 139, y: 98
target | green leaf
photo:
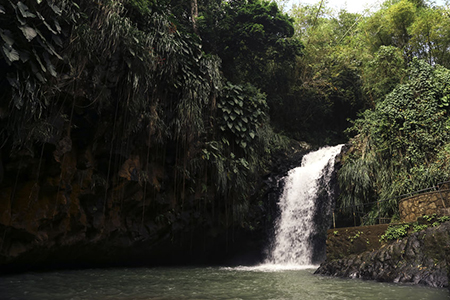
x: 13, y: 81
x: 38, y: 59
x: 11, y: 54
x: 24, y: 56
x: 21, y: 20
x: 25, y: 11
x: 37, y: 73
x: 57, y: 40
x: 50, y: 66
x: 58, y: 27
x: 49, y: 47
x: 213, y: 146
x: 28, y: 32
x: 17, y: 100
x: 49, y: 27
x: 6, y: 36
x: 2, y: 10
x: 252, y: 134
x: 55, y: 8
x: 41, y: 17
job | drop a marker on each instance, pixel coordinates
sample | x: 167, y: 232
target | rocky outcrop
x: 59, y: 209
x: 421, y: 258
x: 79, y: 205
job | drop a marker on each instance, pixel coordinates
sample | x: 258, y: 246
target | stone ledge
x: 421, y: 258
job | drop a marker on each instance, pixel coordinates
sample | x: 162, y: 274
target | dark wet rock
x: 421, y: 258
x: 77, y: 205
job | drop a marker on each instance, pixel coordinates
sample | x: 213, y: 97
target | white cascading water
x: 292, y: 245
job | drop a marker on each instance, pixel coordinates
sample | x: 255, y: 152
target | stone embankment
x: 421, y: 258
x: 435, y: 202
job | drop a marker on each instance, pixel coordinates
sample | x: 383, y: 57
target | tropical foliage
x: 32, y: 37
x: 207, y: 89
x: 391, y: 62
x: 402, y: 145
x: 129, y: 79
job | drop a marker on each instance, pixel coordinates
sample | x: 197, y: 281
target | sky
x: 352, y: 5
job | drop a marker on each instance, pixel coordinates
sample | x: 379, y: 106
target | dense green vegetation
x: 398, y: 231
x: 401, y: 144
x: 209, y: 89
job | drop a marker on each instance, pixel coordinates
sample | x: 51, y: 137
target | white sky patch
x: 352, y: 6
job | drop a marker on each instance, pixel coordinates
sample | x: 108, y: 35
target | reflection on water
x: 262, y: 282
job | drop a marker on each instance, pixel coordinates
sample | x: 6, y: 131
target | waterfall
x: 295, y: 226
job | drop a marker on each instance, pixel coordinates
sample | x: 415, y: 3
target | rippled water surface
x: 202, y: 283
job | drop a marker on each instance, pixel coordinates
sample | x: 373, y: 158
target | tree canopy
x: 214, y: 87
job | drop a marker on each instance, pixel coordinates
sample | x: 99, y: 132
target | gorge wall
x: 70, y: 207
x: 71, y: 214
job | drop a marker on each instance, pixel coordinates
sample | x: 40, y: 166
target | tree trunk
x: 194, y: 14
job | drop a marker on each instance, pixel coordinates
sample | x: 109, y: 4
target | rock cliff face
x: 72, y: 206
x: 421, y: 258
x: 72, y: 219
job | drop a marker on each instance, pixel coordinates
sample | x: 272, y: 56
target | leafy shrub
x: 419, y: 227
x: 444, y: 219
x: 402, y: 145
x: 395, y: 232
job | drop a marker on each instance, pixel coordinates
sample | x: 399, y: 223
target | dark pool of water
x: 203, y: 283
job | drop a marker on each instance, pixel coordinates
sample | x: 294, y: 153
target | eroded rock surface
x: 421, y: 258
